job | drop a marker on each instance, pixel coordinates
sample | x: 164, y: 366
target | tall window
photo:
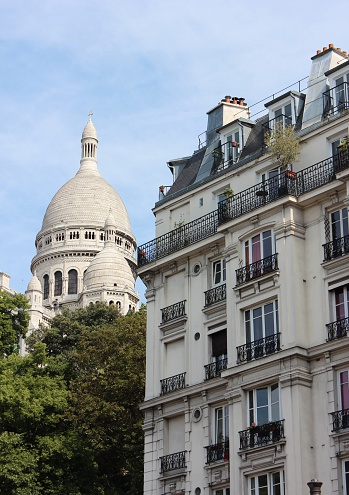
x: 341, y: 93
x: 341, y: 302
x: 283, y: 115
x: 219, y: 345
x: 221, y: 424
x: 259, y: 247
x: 232, y: 150
x: 339, y: 223
x: 72, y: 282
x: 261, y: 322
x: 268, y: 484
x: 343, y: 390
x: 222, y: 491
x: 58, y: 284
x: 46, y: 286
x: 218, y: 272
x: 264, y: 405
x: 346, y: 477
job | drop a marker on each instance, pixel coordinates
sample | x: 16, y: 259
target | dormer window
x: 283, y: 116
x: 232, y: 148
x: 336, y: 99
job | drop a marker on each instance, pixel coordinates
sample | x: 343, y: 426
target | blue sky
x: 149, y: 70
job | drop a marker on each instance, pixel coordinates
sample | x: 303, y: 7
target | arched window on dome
x: 58, y: 284
x: 111, y: 303
x: 72, y: 282
x: 46, y: 286
x: 118, y: 304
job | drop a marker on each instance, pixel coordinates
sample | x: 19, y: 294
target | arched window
x: 72, y: 282
x: 111, y: 302
x: 46, y: 287
x: 118, y: 304
x: 58, y: 284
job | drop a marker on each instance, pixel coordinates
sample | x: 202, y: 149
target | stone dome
x: 85, y: 200
x: 109, y: 269
x: 34, y: 284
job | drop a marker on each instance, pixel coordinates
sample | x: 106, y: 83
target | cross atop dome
x: 90, y: 113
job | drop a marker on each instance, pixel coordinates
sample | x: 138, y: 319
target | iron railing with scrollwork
x: 284, y: 184
x: 172, y: 461
x: 340, y: 420
x: 336, y: 248
x: 173, y: 383
x: 217, y: 452
x: 257, y: 436
x: 337, y: 329
x: 213, y: 370
x: 257, y: 269
x: 173, y: 312
x: 177, y: 239
x: 215, y: 295
x: 258, y: 348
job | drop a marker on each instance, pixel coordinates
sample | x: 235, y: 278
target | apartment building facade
x: 247, y: 380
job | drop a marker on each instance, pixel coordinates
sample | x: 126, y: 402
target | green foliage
x: 14, y: 321
x: 69, y: 411
x: 283, y: 145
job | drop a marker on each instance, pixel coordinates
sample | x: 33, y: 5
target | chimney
x: 315, y: 487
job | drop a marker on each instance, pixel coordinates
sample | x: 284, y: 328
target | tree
x: 14, y: 321
x: 283, y: 145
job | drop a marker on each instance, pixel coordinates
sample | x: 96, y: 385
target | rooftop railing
x: 285, y: 184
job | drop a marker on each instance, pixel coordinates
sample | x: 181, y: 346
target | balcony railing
x: 336, y: 100
x: 336, y: 248
x: 340, y: 420
x: 213, y: 370
x: 337, y: 329
x: 215, y: 295
x: 257, y: 436
x: 177, y: 239
x: 172, y: 462
x: 173, y: 312
x: 257, y: 269
x: 218, y: 452
x: 258, y: 348
x: 284, y: 184
x: 173, y: 383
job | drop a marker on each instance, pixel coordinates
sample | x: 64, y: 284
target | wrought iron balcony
x: 257, y: 436
x: 242, y: 203
x: 213, y: 370
x: 215, y: 295
x: 340, y: 420
x: 258, y: 348
x: 257, y: 269
x: 173, y: 312
x: 336, y: 248
x: 218, y: 452
x: 179, y: 238
x: 336, y: 100
x: 173, y: 383
x: 338, y: 329
x: 172, y: 462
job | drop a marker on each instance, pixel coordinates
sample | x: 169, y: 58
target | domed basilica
x: 85, y: 247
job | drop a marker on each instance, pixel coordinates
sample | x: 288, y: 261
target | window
x: 259, y: 247
x: 341, y: 93
x: 341, y: 302
x: 219, y: 345
x: 58, y: 284
x: 267, y: 484
x: 343, y: 390
x: 232, y: 147
x: 46, y: 286
x: 72, y: 282
x: 261, y: 322
x: 346, y: 477
x: 222, y: 491
x: 339, y: 223
x: 283, y: 115
x: 264, y: 405
x: 219, y: 272
x: 221, y: 424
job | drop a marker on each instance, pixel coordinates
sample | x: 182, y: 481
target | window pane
x: 267, y: 249
x: 257, y: 324
x: 256, y: 248
x: 58, y: 284
x: 336, y: 226
x: 275, y: 403
x: 276, y: 485
x: 262, y: 406
x: 263, y: 484
x: 72, y: 282
x: 343, y: 377
x: 269, y: 319
x: 344, y: 222
x: 339, y: 303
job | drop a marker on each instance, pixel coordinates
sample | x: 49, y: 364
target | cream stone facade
x: 247, y: 379
x: 85, y: 248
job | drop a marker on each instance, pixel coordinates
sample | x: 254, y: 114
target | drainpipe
x: 315, y: 487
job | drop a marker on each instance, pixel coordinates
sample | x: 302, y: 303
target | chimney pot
x: 339, y: 49
x: 324, y: 48
x: 318, y: 52
x: 330, y: 45
x: 227, y: 98
x: 344, y: 52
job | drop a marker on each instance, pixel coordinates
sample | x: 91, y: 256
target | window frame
x: 345, y: 474
x: 58, y: 283
x: 221, y: 263
x: 73, y: 283
x: 250, y: 326
x: 46, y: 286
x: 253, y: 408
x: 223, y: 435
x: 248, y: 246
x: 255, y: 490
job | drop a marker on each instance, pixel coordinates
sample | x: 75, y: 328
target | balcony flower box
x: 289, y: 174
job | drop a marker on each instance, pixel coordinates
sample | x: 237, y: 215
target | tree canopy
x: 13, y: 321
x: 69, y: 416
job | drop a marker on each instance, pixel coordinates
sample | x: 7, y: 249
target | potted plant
x: 283, y: 146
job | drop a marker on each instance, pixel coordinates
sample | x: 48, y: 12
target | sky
x: 149, y: 70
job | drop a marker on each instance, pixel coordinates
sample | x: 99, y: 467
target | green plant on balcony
x: 283, y: 145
